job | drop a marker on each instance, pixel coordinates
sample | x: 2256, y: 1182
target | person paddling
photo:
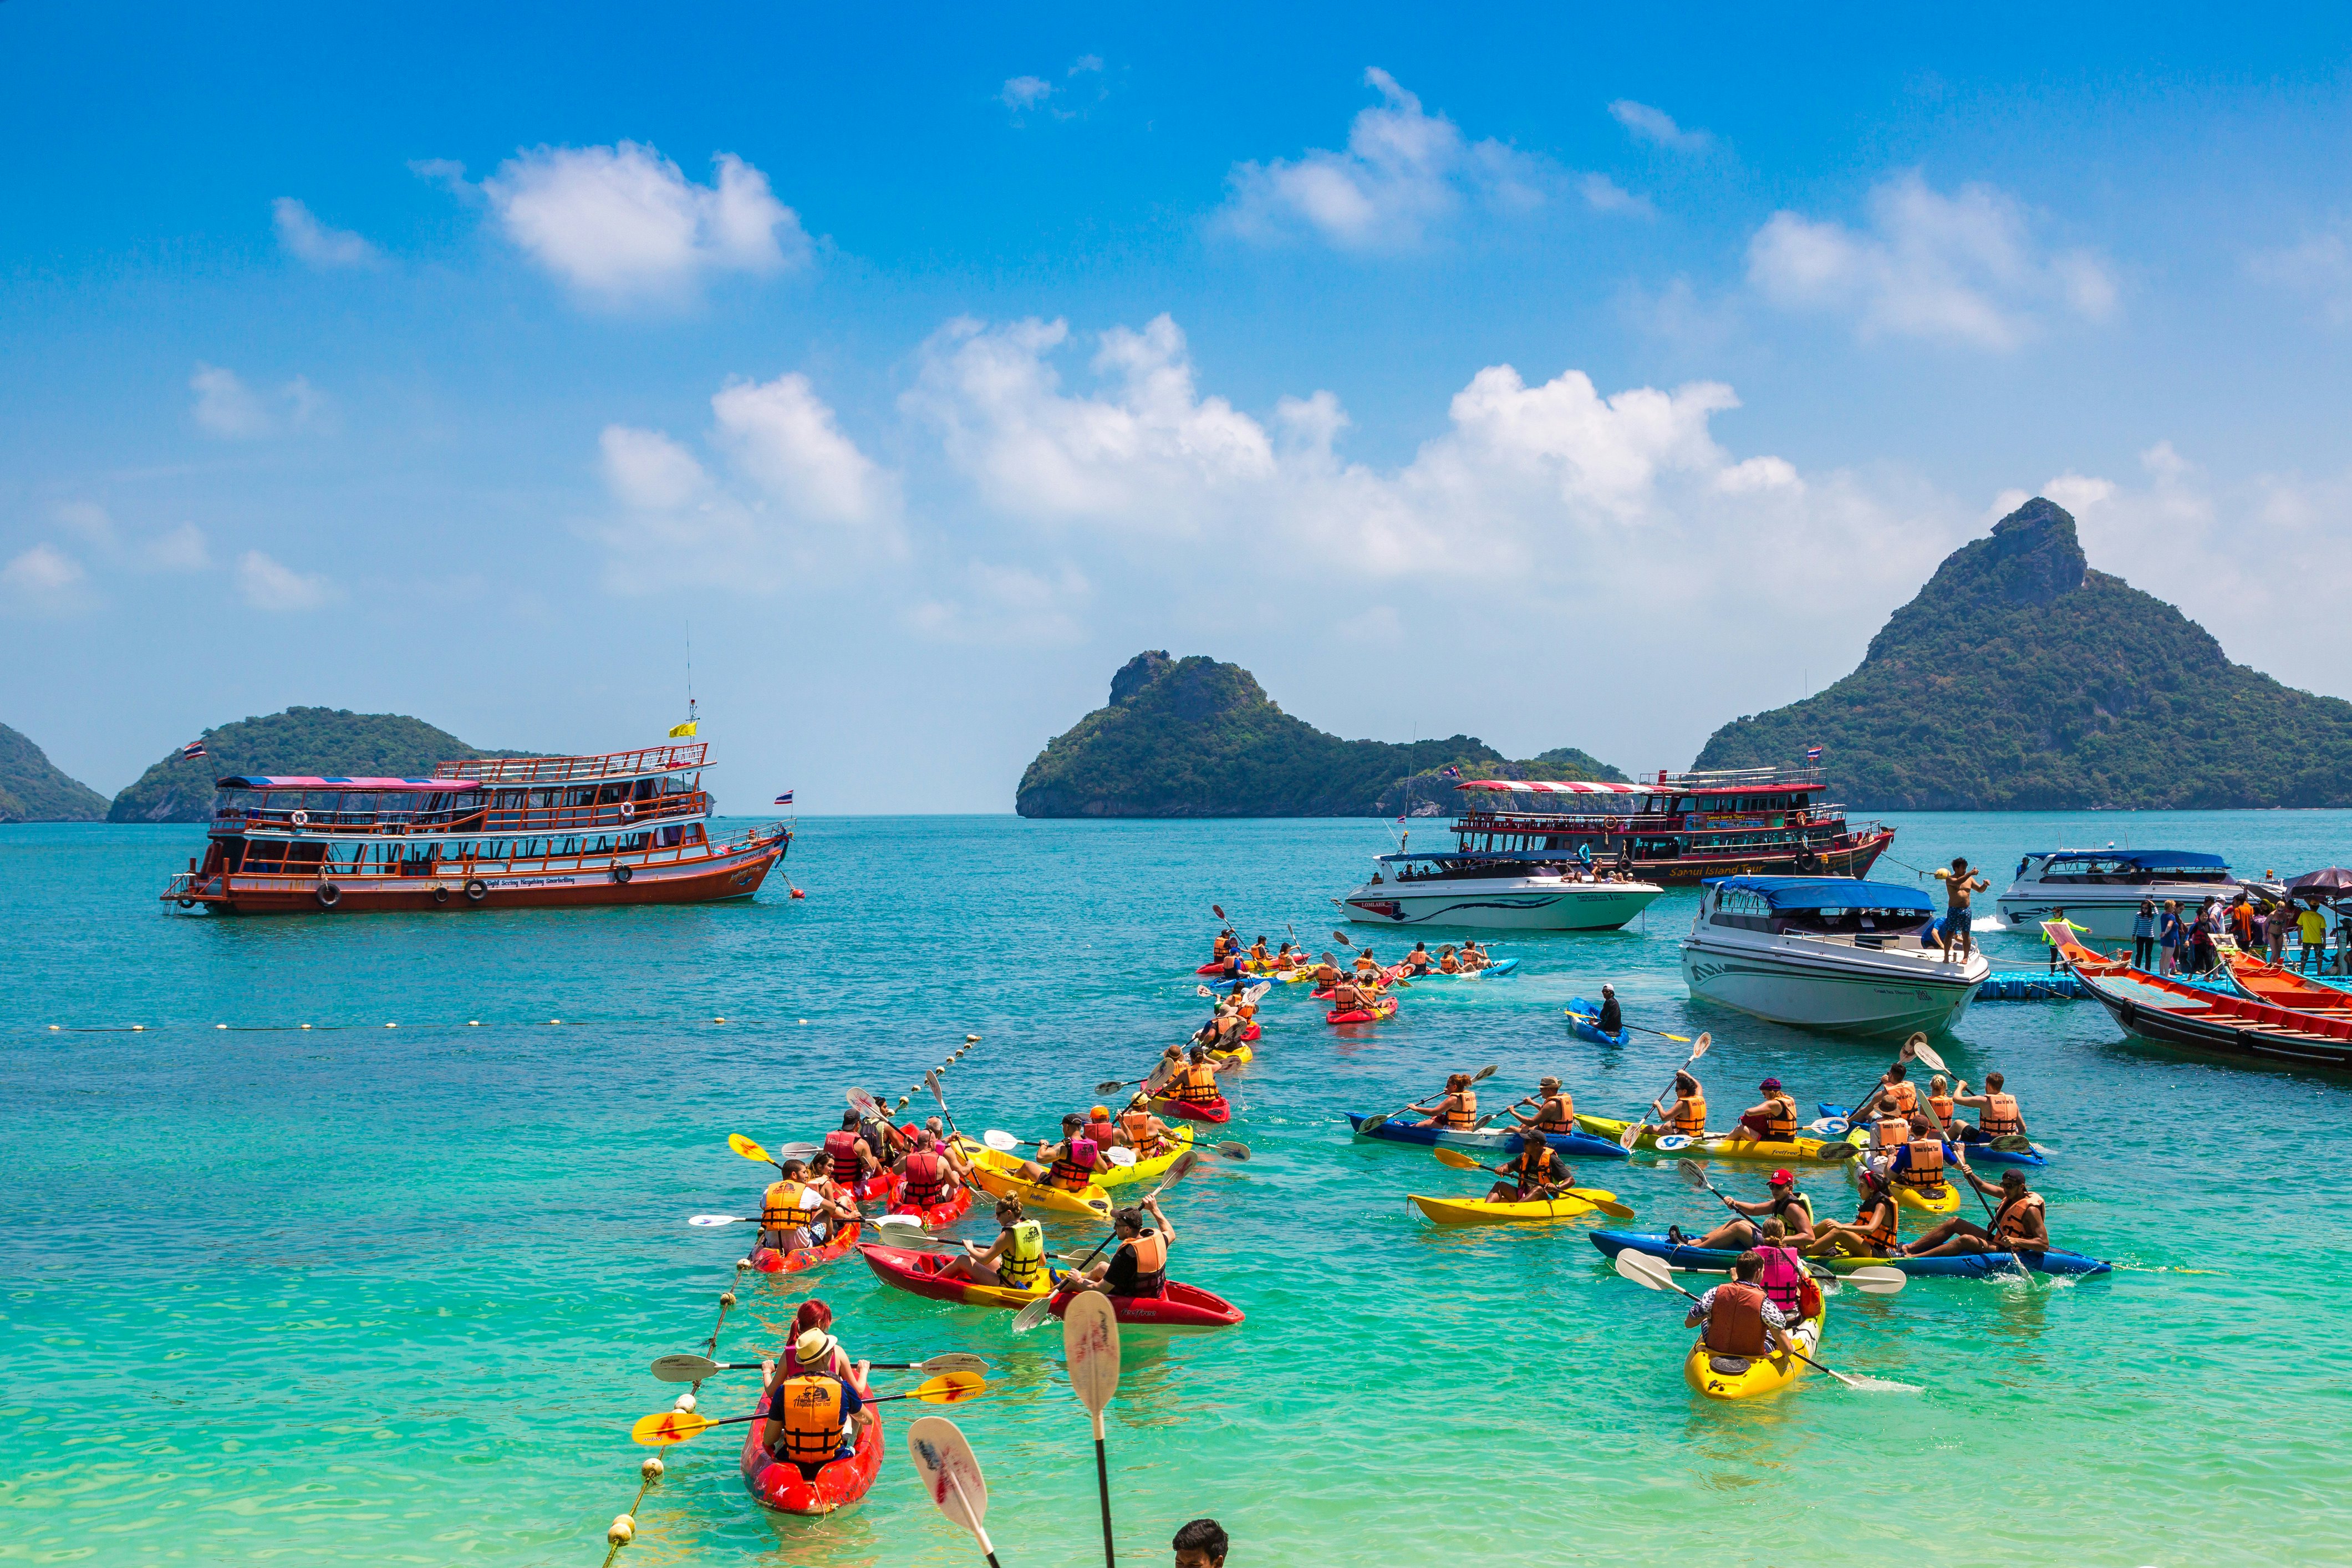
x: 926, y: 1176
x: 1875, y: 1232
x: 1774, y: 1121
x: 1919, y: 1163
x: 788, y: 1208
x: 2021, y: 1222
x: 1456, y: 1110
x: 1532, y: 1175
x: 1942, y: 1106
x: 1613, y: 1017
x: 816, y: 1415
x: 1195, y: 1083
x: 1740, y: 1318
x: 1448, y: 961
x: 1686, y: 1115
x: 1327, y: 973
x: 1142, y: 1132
x: 1555, y: 1114
x: 1895, y: 1094
x: 1258, y: 954
x: 1998, y: 1115
x: 1015, y: 1260
x: 1139, y: 1267
x: 1788, y: 1208
x: 1418, y: 962
x: 1069, y: 1164
x: 854, y: 1159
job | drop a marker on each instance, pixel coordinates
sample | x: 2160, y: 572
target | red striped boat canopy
x: 258, y: 781
x: 1559, y: 786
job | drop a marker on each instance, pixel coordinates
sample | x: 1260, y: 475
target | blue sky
x: 1563, y: 378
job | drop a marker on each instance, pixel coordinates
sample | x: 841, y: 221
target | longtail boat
x: 2156, y: 1008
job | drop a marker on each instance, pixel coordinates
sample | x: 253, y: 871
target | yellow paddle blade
x: 749, y: 1149
x: 1456, y: 1158
x: 667, y: 1426
x: 951, y: 1388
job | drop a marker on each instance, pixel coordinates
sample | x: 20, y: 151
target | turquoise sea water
x: 387, y: 1295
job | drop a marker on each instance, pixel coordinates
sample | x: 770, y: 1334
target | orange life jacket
x: 1735, y: 1323
x: 1998, y: 1115
x: 1886, y: 1232
x: 1449, y: 964
x: 1781, y: 1117
x: 927, y: 1180
x: 1888, y: 1133
x: 1547, y: 1123
x: 1196, y: 1085
x: 1151, y: 1251
x: 1689, y: 1116
x: 1137, y: 1125
x: 809, y: 1407
x: 2006, y: 1223
x: 1463, y: 1115
x: 1923, y: 1166
x: 779, y: 1206
x: 1941, y: 1104
x: 1534, y: 1164
x: 1074, y: 1167
x: 1903, y: 1096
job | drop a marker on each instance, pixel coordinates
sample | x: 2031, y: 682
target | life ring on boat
x: 476, y: 890
x: 300, y: 819
x: 1611, y: 824
x: 329, y: 895
x: 628, y: 810
x: 622, y: 874
x: 440, y: 895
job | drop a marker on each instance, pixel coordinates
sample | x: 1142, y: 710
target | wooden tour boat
x: 2286, y: 1020
x: 626, y: 828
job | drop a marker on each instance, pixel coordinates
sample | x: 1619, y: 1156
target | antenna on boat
x: 690, y: 715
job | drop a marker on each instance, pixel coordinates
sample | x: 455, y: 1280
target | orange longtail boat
x: 625, y: 828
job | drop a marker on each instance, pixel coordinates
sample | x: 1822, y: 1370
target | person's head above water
x: 1200, y: 1544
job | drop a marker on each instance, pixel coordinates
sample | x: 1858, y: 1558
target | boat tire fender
x: 476, y: 890
x: 187, y: 903
x: 622, y: 874
x: 329, y: 895
x: 440, y: 895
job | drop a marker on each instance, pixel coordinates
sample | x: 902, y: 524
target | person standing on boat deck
x: 1613, y: 1017
x: 2242, y: 929
x: 2172, y: 935
x: 2144, y: 936
x: 2058, y: 918
x: 2311, y: 926
x: 1960, y: 882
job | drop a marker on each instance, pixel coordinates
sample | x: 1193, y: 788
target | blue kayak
x: 1959, y: 1266
x: 1978, y: 1153
x: 1582, y: 1014
x: 1486, y: 1140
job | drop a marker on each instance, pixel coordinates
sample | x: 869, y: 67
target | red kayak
x: 938, y: 1215
x: 878, y: 1188
x: 1216, y: 968
x: 782, y: 1487
x: 917, y: 1273
x: 1383, y: 1008
x: 1251, y: 1033
x: 767, y: 1260
x: 1215, y: 1110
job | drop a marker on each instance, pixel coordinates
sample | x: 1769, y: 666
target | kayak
x: 1494, y: 971
x: 1722, y: 1145
x: 1494, y: 1140
x: 1957, y: 1266
x: 1744, y: 1377
x: 768, y: 1260
x: 1241, y: 1052
x: 881, y: 1187
x: 1383, y: 1008
x: 1216, y: 1110
x: 1215, y: 966
x: 1478, y: 1211
x: 999, y: 1175
x: 939, y: 1214
x: 1942, y: 1200
x: 781, y: 1486
x: 1978, y: 1153
x: 1113, y: 1176
x: 1583, y: 1023
x: 917, y: 1273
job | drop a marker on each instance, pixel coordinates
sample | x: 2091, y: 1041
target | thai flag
x: 1812, y: 753
x: 192, y: 751
x: 1451, y: 772
x: 785, y: 798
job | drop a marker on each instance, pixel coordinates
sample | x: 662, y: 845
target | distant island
x: 314, y: 742
x: 34, y: 789
x: 1192, y: 737
x: 2021, y: 680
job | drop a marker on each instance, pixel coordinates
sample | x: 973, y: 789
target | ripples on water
x: 388, y: 1296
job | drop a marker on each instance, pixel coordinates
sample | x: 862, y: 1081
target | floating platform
x: 2031, y: 986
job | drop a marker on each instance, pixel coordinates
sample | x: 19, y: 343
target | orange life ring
x: 1611, y: 824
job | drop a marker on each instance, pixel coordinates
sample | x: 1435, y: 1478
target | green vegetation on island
x: 2021, y: 680
x: 34, y: 789
x: 1196, y: 738
x: 320, y: 742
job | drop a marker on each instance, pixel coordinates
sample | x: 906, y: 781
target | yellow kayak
x: 1736, y: 1377
x: 1113, y: 1176
x: 999, y: 1175
x: 1241, y: 1052
x: 1478, y: 1211
x: 1725, y: 1146
x: 1942, y: 1200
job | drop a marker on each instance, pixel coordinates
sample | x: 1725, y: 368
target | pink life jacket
x: 1783, y: 1278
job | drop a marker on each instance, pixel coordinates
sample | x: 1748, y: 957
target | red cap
x: 1782, y: 1179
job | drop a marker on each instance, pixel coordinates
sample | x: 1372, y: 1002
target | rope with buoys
x: 624, y: 1528
x: 444, y: 1023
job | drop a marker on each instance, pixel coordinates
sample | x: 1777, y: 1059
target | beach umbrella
x: 2333, y: 879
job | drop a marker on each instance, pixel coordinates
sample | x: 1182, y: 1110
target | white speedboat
x: 1494, y: 892
x: 2101, y: 889
x: 1827, y: 952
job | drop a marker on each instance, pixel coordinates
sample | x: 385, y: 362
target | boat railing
x: 1637, y: 823
x: 570, y: 770
x: 473, y: 819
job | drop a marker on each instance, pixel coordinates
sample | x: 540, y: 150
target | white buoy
x: 624, y: 1531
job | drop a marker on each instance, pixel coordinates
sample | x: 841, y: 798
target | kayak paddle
x: 1640, y: 1028
x: 1606, y: 1203
x: 1091, y: 1346
x: 1371, y: 1123
x: 665, y: 1426
x: 952, y: 1474
x: 1653, y: 1274
x: 1879, y: 1281
x: 695, y: 1368
x: 1632, y: 1133
x: 1003, y: 1143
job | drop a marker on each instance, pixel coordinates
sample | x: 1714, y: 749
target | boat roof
x: 304, y: 781
x: 2146, y: 859
x: 1560, y: 786
x: 1826, y: 892
x: 1545, y: 857
x: 1719, y: 782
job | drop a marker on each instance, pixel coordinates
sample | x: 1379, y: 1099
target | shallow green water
x: 387, y: 1295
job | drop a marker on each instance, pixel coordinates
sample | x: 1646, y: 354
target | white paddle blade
x: 1121, y: 1157
x: 1260, y: 989
x: 906, y: 1222
x: 1631, y: 1136
x: 1202, y: 991
x: 1003, y: 1143
x: 1644, y: 1271
x: 1034, y: 1314
x: 1878, y: 1281
x: 944, y: 1463
x: 1699, y: 1046
x: 684, y: 1368
x: 1090, y: 1345
x: 1921, y: 1051
x: 710, y: 1219
x: 1669, y: 1143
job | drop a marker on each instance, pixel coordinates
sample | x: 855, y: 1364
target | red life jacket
x: 843, y: 1146
x: 927, y: 1180
x: 1734, y: 1324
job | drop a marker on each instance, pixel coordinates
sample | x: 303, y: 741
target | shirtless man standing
x: 1959, y: 883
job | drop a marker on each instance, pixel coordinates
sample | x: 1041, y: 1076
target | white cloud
x: 621, y: 223
x: 92, y: 521
x: 2319, y: 268
x: 1603, y: 195
x: 266, y: 585
x: 1025, y: 92
x: 1404, y: 174
x: 181, y: 549
x: 805, y: 500
x: 1006, y: 606
x: 1657, y: 126
x: 308, y: 239
x: 1962, y: 269
x: 225, y: 407
x: 43, y: 580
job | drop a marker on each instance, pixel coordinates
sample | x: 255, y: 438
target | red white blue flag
x: 192, y: 751
x: 1812, y: 753
x: 785, y: 798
